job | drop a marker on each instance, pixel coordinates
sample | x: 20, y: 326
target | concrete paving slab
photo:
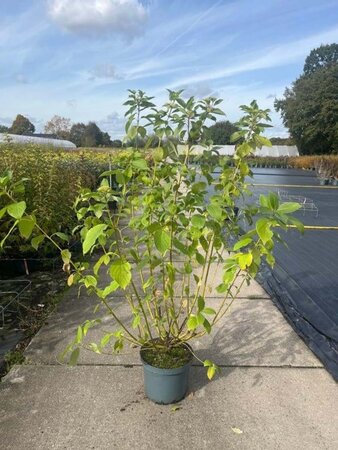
x: 253, y: 334
x: 104, y: 408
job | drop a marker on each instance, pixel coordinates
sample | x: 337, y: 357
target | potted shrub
x: 174, y: 221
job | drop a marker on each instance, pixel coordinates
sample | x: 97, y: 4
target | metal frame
x: 16, y: 295
x: 307, y: 204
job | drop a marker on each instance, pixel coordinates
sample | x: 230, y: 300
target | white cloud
x: 122, y: 17
x: 114, y: 124
x: 198, y: 90
x: 288, y: 53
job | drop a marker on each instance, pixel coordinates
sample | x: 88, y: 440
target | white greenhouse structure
x: 21, y: 139
x: 274, y: 151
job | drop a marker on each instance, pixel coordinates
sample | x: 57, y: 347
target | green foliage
x: 53, y: 179
x: 58, y: 126
x: 76, y: 134
x: 89, y: 135
x: 169, y: 210
x: 116, y: 143
x: 22, y: 125
x: 12, y: 358
x: 4, y: 129
x: 282, y: 141
x: 221, y: 132
x: 309, y: 108
x: 323, y: 56
x: 92, y: 136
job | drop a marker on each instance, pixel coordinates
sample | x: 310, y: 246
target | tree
x: 309, y: 108
x: 282, y: 141
x: 116, y: 143
x: 106, y: 141
x: 92, y: 136
x: 60, y: 126
x: 323, y: 56
x: 22, y: 125
x: 4, y: 129
x: 89, y: 135
x: 220, y: 132
x: 76, y: 134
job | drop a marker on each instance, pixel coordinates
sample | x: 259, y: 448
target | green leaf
x: 242, y: 243
x: 245, y: 260
x: 132, y: 132
x: 79, y: 334
x: 263, y: 230
x: 192, y: 323
x: 215, y: 211
x: 106, y: 339
x: 209, y: 311
x: 264, y: 141
x: 66, y: 256
x: 26, y: 226
x: 3, y: 212
x: 200, y: 303
x: 187, y: 267
x: 74, y: 356
x: 263, y: 200
x: 89, y: 280
x: 297, y: 223
x: 181, y: 247
x: 289, y: 207
x: 198, y: 221
x: 200, y: 319
x: 136, y: 321
x: 273, y: 201
x: 207, y: 326
x: 162, y: 241
x: 198, y: 187
x: 16, y: 210
x: 92, y: 236
x: 236, y: 136
x: 221, y: 288
x: 120, y: 271
x: 62, y: 236
x: 110, y: 288
x: 104, y: 259
x: 207, y: 363
x: 36, y: 241
x: 140, y: 164
x: 211, y: 372
x: 94, y: 348
x: 200, y: 258
x: 158, y: 154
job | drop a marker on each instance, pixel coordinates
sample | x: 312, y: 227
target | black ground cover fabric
x: 304, y: 282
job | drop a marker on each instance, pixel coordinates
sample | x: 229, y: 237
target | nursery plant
x: 174, y: 222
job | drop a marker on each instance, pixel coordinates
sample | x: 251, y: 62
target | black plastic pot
x: 165, y: 386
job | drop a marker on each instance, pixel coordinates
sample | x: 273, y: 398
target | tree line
x: 82, y: 135
x: 90, y: 135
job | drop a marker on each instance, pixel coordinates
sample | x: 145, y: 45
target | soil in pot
x: 166, y: 359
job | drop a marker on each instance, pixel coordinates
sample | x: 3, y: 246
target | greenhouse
x: 21, y: 139
x: 275, y: 150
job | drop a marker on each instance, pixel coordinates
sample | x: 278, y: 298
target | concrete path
x: 273, y: 393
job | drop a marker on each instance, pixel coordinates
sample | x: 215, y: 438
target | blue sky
x: 77, y: 58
